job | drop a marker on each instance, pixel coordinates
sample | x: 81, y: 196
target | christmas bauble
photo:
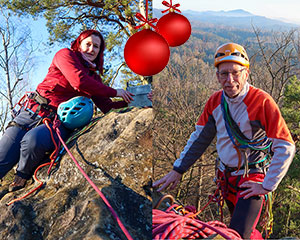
x: 175, y: 28
x: 146, y: 52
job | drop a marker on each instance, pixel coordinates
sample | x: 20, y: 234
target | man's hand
x: 253, y: 189
x: 127, y: 96
x: 172, y: 177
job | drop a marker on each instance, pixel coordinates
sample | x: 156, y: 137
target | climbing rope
x: 52, y: 157
x: 217, y: 197
x: 33, y: 190
x: 240, y: 141
x: 182, y: 222
x: 234, y: 133
x: 178, y: 222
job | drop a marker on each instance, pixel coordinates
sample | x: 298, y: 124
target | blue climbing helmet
x: 76, y: 112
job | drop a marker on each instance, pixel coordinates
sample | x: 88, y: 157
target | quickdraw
x: 267, y: 220
x: 22, y: 103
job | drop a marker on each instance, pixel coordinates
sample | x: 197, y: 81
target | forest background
x: 183, y: 87
x: 180, y: 90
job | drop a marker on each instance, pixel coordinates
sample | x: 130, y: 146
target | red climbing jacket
x: 69, y: 76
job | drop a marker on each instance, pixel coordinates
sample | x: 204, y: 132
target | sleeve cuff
x: 178, y: 170
x: 266, y: 188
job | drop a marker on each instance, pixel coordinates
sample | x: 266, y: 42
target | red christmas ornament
x: 175, y: 28
x: 146, y: 53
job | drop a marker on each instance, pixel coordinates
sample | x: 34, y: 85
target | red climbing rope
x: 179, y: 222
x: 33, y: 190
x: 170, y: 225
x: 216, y: 198
x: 53, y: 156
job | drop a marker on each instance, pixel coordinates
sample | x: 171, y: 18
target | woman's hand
x: 127, y: 96
x: 172, y: 177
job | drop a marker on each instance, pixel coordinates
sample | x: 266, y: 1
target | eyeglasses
x: 235, y: 74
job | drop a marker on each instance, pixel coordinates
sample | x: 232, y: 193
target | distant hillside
x: 210, y: 29
x: 235, y: 18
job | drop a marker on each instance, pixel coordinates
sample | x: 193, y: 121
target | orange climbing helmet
x: 231, y: 52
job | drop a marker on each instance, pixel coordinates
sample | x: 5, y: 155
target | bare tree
x: 16, y: 51
x: 275, y: 61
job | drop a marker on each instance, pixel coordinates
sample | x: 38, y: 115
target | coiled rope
x: 171, y: 225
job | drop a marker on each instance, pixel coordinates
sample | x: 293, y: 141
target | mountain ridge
x: 234, y: 18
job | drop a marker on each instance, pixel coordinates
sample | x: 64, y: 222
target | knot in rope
x: 171, y: 7
x: 56, y: 123
x: 145, y: 21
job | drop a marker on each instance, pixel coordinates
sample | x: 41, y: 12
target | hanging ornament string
x: 145, y: 21
x: 171, y: 7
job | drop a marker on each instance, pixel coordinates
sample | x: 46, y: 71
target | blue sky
x: 277, y: 9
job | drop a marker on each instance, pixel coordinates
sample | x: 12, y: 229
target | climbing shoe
x: 17, y: 184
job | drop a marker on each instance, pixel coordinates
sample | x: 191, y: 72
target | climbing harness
x: 38, y: 103
x: 179, y: 222
x: 33, y: 103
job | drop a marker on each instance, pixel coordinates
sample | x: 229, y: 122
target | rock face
x: 117, y: 155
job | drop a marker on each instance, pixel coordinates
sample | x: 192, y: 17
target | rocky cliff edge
x: 117, y: 155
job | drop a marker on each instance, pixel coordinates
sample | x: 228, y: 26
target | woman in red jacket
x: 73, y: 72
